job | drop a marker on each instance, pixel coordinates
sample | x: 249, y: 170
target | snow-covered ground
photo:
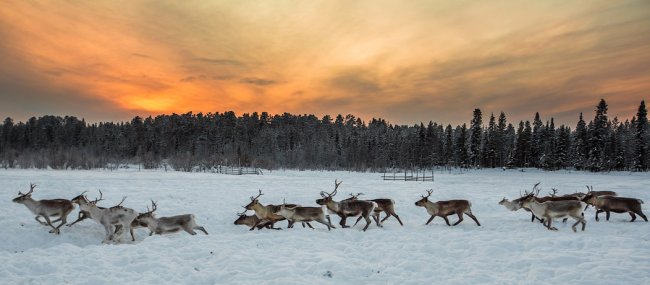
x: 506, y: 249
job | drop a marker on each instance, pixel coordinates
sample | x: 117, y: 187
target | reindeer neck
x: 260, y: 210
x: 31, y: 204
x: 334, y: 206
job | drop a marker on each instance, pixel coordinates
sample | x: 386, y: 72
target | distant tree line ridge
x: 190, y: 141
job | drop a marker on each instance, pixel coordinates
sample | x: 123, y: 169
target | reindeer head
x: 144, y: 218
x: 254, y: 201
x: 81, y: 198
x: 504, y: 200
x: 328, y: 197
x: 241, y: 218
x: 26, y: 196
x: 424, y: 200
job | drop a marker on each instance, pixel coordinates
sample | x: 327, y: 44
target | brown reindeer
x: 60, y: 208
x: 250, y: 221
x: 171, y: 224
x: 349, y: 208
x: 265, y: 214
x: 304, y: 214
x: 609, y: 204
x: 383, y: 205
x: 555, y: 209
x: 446, y: 208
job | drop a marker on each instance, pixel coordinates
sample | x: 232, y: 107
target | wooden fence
x: 232, y: 170
x: 413, y: 175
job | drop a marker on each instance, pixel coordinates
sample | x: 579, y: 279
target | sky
x: 404, y: 61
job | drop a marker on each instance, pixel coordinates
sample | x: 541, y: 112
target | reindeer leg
x: 368, y: 222
x: 329, y: 221
x: 376, y: 218
x: 358, y: 219
x: 342, y: 222
x: 641, y: 214
x: 633, y: 216
x: 132, y: 236
x: 49, y: 223
x: 387, y: 216
x: 532, y: 217
x: 82, y: 216
x: 309, y: 225
x: 39, y: 221
x: 549, y: 219
x: 200, y: 228
x: 255, y: 225
x: 607, y: 215
x: 474, y: 218
x: 430, y: 219
x: 324, y: 222
x: 597, y: 212
x: 446, y: 220
x: 460, y: 218
x: 397, y: 217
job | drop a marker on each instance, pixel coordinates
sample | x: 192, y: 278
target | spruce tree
x: 641, y: 139
x: 476, y: 132
x: 598, y: 136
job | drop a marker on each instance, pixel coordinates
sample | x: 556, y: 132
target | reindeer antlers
x: 589, y: 190
x: 428, y: 193
x: 260, y: 194
x: 120, y: 204
x: 31, y: 189
x: 553, y: 193
x: 153, y: 207
x: 100, y: 197
x: 356, y: 196
x: 330, y: 195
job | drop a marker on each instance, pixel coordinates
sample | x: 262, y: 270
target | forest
x: 200, y: 142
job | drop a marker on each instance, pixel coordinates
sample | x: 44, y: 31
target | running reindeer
x: 86, y: 211
x: 60, y: 208
x: 383, y: 205
x: 265, y: 214
x: 446, y: 208
x: 347, y: 208
x: 165, y: 225
x: 116, y: 219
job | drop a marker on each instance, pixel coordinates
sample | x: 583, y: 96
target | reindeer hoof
x: 553, y: 229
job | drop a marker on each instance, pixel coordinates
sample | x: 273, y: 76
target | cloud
x: 257, y: 81
x: 228, y: 62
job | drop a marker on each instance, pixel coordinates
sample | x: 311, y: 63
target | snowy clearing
x: 506, y: 249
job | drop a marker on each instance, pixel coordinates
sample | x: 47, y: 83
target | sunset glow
x: 403, y: 61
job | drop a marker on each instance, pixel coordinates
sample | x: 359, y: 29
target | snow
x: 506, y: 249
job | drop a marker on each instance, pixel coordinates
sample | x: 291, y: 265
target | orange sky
x: 405, y: 62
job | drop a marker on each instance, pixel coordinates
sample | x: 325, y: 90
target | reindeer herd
x: 118, y: 219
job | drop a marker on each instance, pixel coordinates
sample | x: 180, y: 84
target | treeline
x: 190, y: 142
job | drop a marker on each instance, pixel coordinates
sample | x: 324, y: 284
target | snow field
x: 506, y: 249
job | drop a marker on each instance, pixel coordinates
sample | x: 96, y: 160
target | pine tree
x: 537, y: 142
x: 475, y: 138
x: 580, y: 145
x: 462, y: 157
x: 641, y: 139
x: 598, y: 138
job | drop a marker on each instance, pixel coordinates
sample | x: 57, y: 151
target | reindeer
x: 446, y: 208
x: 553, y: 197
x: 555, y: 209
x: 110, y: 218
x: 609, y: 204
x: 349, y: 208
x: 172, y: 224
x: 510, y: 205
x: 590, y: 191
x: 265, y: 214
x: 304, y: 214
x: 250, y: 221
x: 85, y: 213
x: 46, y: 208
x: 383, y: 205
